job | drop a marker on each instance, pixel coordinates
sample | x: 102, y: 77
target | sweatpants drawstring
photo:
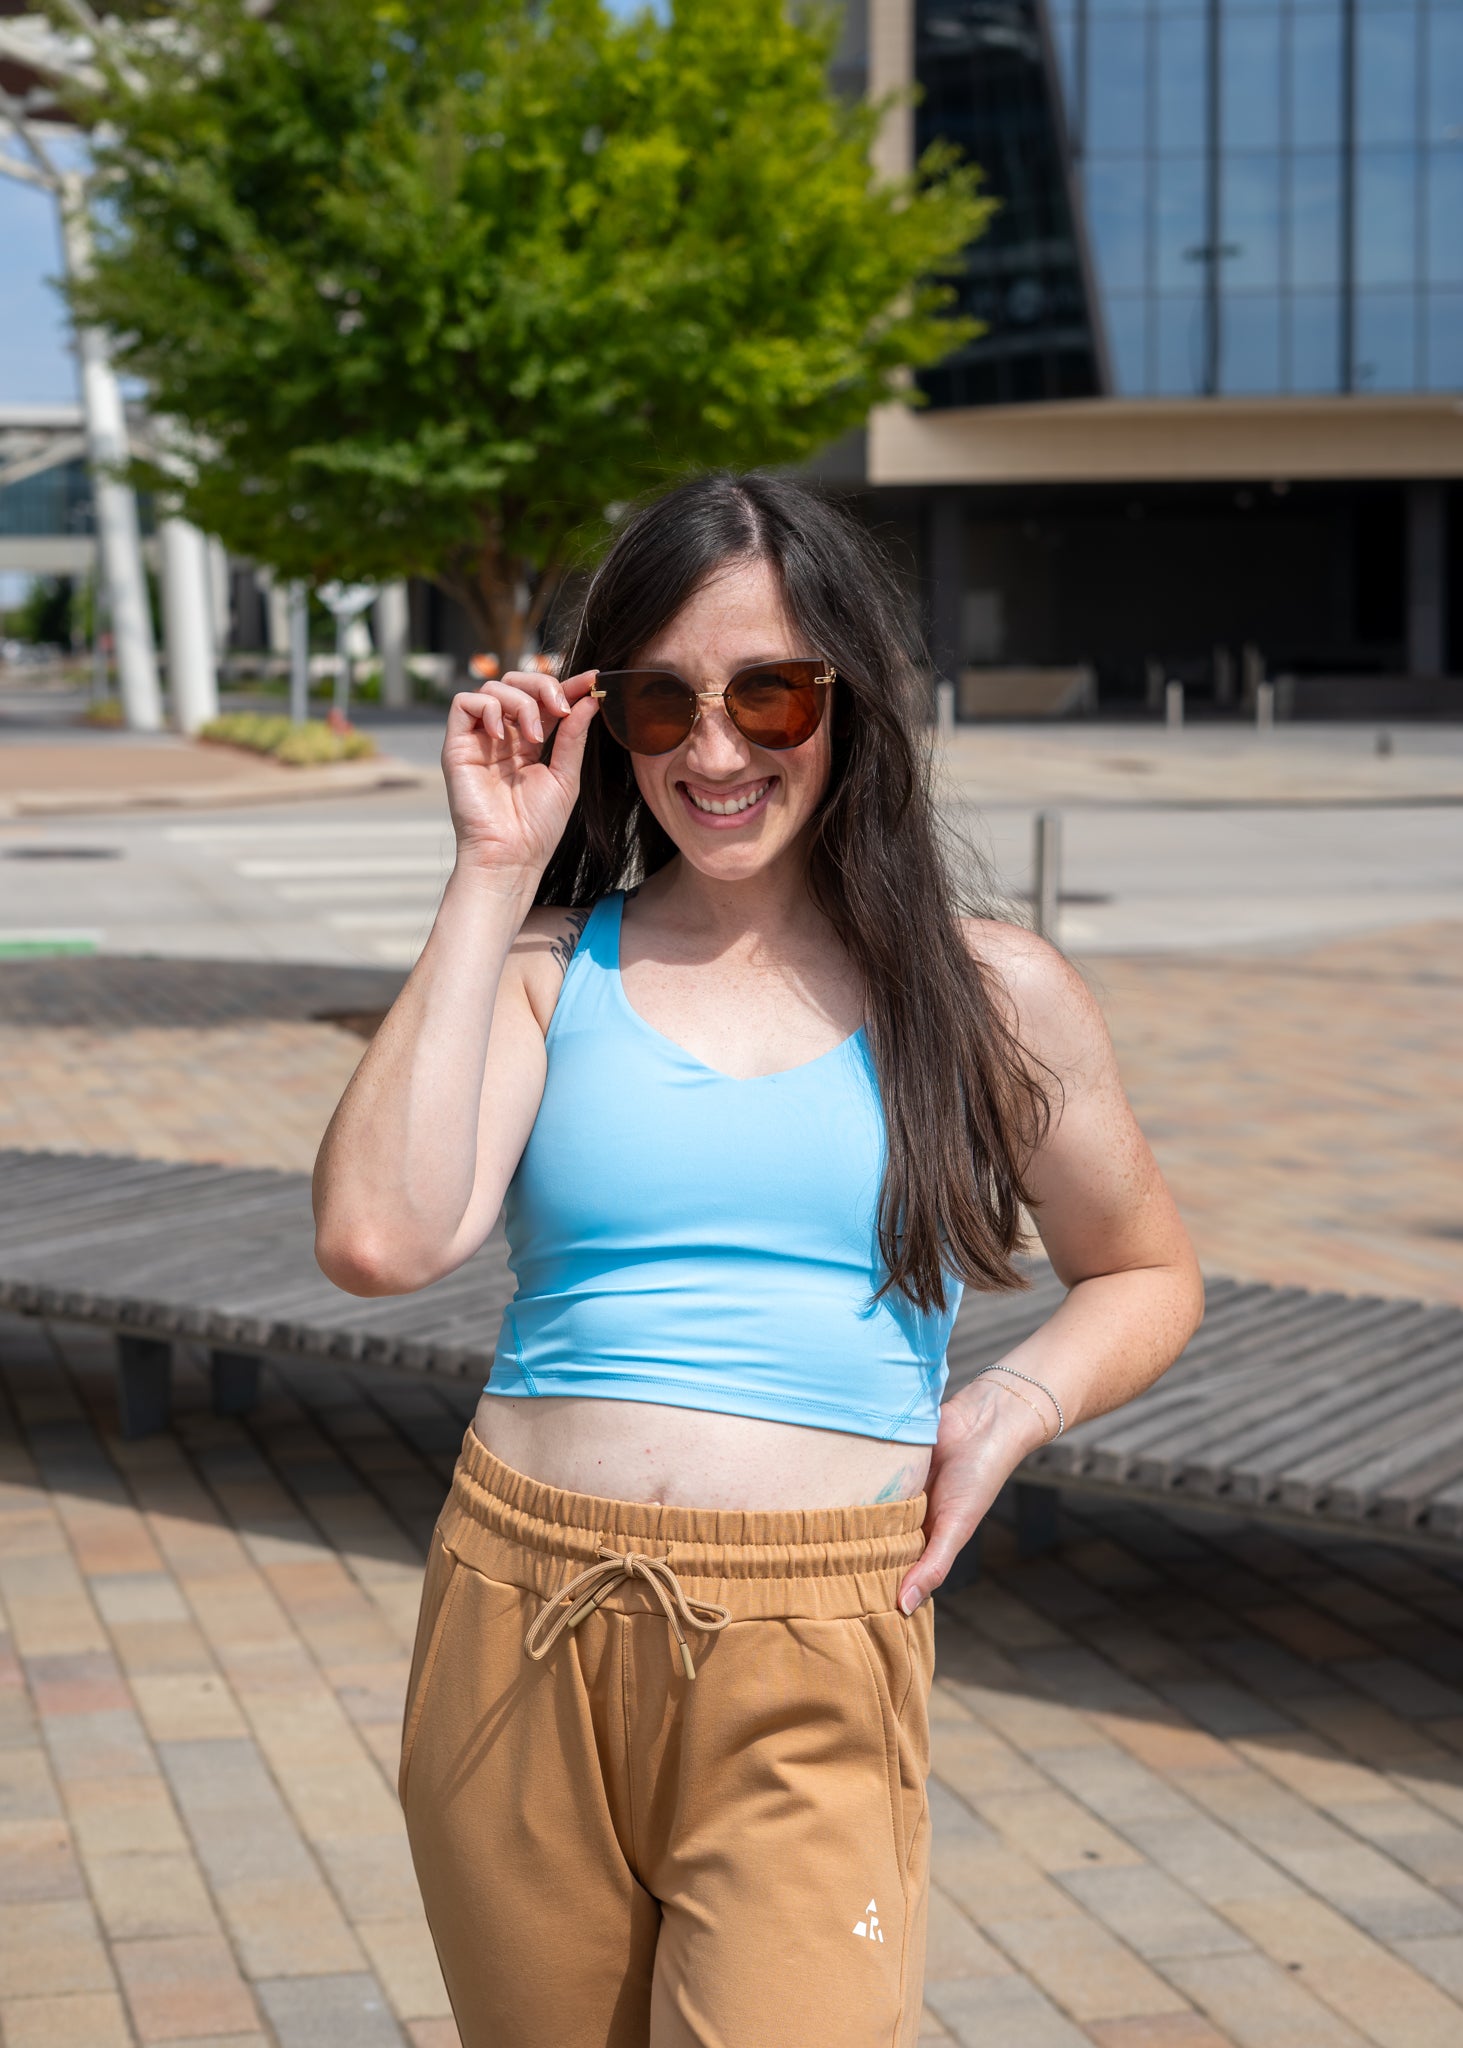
x: 583, y: 1594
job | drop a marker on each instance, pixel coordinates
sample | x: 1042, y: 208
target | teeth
x: 732, y: 804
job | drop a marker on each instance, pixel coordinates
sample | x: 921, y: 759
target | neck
x: 770, y: 907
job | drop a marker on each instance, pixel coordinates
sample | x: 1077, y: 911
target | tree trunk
x: 505, y: 596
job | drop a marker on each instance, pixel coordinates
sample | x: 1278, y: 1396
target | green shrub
x: 306, y: 746
x: 310, y: 745
x: 106, y: 711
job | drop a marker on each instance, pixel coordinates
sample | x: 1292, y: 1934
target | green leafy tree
x: 432, y: 287
x: 44, y: 615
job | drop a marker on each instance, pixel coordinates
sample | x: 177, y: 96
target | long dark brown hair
x: 963, y: 1106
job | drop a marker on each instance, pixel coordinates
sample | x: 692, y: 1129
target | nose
x: 716, y: 749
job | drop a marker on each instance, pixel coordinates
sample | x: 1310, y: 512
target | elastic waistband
x: 826, y: 1562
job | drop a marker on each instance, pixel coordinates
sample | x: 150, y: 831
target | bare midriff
x: 686, y: 1457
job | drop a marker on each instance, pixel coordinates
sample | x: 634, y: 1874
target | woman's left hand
x: 985, y: 1432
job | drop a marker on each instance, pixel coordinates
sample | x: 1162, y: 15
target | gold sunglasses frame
x: 826, y: 679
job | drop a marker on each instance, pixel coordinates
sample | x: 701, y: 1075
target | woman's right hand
x: 509, y: 806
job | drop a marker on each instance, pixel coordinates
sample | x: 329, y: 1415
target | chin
x: 732, y: 863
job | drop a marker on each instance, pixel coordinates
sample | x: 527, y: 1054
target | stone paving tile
x: 141, y: 1893
x: 1256, y: 2005
x: 74, y: 2019
x: 1150, y: 1912
x: 178, y: 1985
x: 346, y: 2011
x: 51, y: 1946
x: 977, y: 2012
x: 1392, y: 2002
x: 1166, y: 2030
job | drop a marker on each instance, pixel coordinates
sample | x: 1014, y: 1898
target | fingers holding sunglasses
x: 509, y: 793
x: 520, y: 708
x: 567, y: 756
x: 525, y: 702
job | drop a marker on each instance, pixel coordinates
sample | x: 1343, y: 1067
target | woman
x: 697, y: 1003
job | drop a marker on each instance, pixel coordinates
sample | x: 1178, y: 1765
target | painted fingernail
x: 911, y: 1600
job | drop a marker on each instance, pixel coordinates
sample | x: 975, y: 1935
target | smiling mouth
x: 731, y: 805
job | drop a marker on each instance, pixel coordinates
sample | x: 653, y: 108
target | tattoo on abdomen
x: 563, y: 943
x: 896, y: 1488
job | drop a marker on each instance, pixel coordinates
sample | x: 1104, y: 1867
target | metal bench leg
x: 1037, y: 1511
x: 144, y: 1383
x: 966, y: 1568
x: 235, y: 1380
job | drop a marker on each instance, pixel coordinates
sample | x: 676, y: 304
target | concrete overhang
x: 59, y: 554
x: 1156, y: 440
x: 33, y: 419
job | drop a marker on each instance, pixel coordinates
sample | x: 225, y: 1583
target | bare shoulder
x: 552, y: 932
x: 545, y: 945
x: 1053, y: 1012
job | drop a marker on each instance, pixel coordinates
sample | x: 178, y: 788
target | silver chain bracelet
x: 998, y: 1367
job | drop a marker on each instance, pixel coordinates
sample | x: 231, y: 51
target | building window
x: 1205, y: 196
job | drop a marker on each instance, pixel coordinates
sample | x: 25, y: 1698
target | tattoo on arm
x: 563, y: 943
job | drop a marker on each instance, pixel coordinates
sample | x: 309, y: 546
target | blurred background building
x: 1218, y: 402
x: 1213, y: 428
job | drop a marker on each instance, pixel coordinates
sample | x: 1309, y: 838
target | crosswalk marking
x: 342, y: 866
x: 278, y: 830
x: 375, y: 889
x: 369, y: 886
x: 383, y: 920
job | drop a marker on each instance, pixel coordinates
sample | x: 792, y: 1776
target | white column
x: 220, y: 596
x: 299, y: 605
x: 276, y: 612
x: 192, y: 676
x: 118, y: 534
x: 393, y: 633
x: 891, y: 70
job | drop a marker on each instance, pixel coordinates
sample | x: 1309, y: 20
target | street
x: 356, y: 879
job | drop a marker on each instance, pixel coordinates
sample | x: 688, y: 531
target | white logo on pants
x: 869, y: 1927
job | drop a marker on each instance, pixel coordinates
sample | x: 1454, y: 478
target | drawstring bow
x: 572, y: 1603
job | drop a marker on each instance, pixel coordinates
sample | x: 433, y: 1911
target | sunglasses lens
x: 778, y: 707
x: 646, y: 711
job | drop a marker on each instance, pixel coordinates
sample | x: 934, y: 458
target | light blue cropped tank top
x: 684, y: 1237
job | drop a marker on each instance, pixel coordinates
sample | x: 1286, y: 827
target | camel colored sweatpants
x: 615, y: 1855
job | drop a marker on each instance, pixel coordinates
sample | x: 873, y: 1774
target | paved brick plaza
x: 1195, y: 1784
x: 1303, y: 1103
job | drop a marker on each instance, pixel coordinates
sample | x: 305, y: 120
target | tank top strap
x: 587, y: 994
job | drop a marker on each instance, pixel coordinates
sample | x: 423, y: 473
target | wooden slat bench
x: 1323, y: 1409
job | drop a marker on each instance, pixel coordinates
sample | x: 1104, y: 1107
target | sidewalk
x: 93, y: 774
x: 1141, y: 763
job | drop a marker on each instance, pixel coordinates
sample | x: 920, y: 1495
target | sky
x: 35, y: 359
x: 36, y: 365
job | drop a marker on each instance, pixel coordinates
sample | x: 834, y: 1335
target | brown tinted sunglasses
x: 774, y: 704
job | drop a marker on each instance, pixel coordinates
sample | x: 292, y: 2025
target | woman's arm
x: 1113, y: 1234
x: 412, y: 1170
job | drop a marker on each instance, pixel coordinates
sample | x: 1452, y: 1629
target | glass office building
x: 1212, y: 424
x: 1205, y: 197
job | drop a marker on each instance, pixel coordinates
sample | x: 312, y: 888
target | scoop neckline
x: 717, y: 1073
